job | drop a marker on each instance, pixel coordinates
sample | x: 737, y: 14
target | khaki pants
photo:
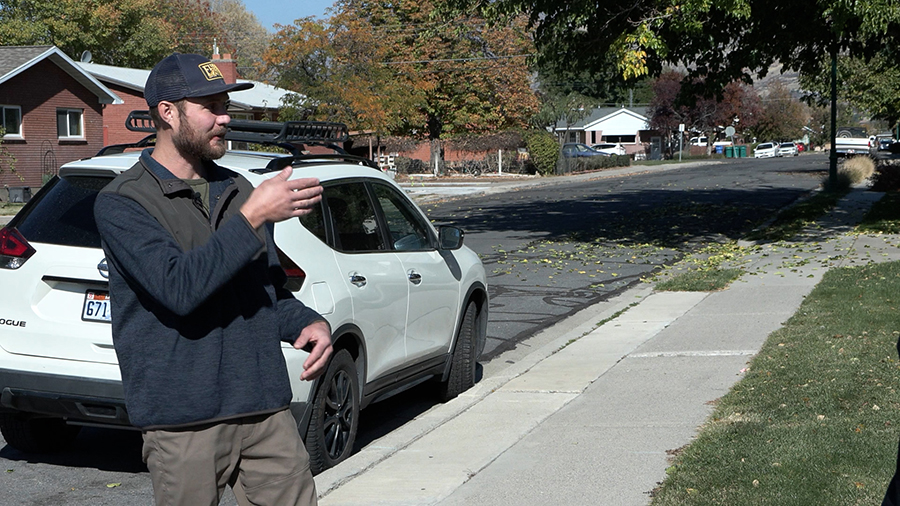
x: 261, y: 457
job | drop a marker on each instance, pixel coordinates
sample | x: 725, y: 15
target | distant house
x: 260, y: 102
x: 51, y: 110
x: 622, y: 125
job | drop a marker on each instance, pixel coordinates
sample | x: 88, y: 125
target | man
x: 199, y: 307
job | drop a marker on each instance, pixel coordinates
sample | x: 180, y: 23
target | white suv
x: 407, y: 301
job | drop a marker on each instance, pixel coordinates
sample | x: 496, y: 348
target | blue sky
x: 269, y: 12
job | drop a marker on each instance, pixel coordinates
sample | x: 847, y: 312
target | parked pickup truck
x: 853, y: 141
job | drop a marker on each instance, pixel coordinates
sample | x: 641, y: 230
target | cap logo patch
x: 210, y: 71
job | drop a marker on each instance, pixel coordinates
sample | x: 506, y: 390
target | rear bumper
x: 79, y: 399
x: 82, y: 400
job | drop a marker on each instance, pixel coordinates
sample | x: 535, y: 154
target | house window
x: 69, y: 123
x: 621, y: 139
x: 11, y: 120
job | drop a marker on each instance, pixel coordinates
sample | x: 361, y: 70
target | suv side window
x: 315, y: 223
x: 405, y: 226
x: 353, y: 218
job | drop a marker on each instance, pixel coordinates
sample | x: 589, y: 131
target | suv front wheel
x: 335, y: 415
x: 463, y: 362
x: 37, y: 435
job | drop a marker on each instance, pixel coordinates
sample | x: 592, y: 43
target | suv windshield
x: 64, y: 213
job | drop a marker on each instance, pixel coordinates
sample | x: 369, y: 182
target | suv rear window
x: 63, y: 213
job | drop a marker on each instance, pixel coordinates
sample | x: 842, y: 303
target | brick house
x: 260, y: 102
x: 52, y: 111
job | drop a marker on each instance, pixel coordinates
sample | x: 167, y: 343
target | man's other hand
x: 318, y: 334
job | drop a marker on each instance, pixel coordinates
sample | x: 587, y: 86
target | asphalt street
x: 554, y: 246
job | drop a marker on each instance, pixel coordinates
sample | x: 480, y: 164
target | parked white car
x: 788, y: 149
x: 765, y: 150
x: 699, y: 141
x: 610, y: 148
x: 408, y: 302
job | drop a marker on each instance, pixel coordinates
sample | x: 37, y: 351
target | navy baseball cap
x: 180, y: 76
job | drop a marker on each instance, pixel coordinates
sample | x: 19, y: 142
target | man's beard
x: 191, y: 144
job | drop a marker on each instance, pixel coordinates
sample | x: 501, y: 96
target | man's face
x: 202, y: 126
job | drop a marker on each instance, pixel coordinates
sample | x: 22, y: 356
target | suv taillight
x: 295, y: 275
x: 14, y: 249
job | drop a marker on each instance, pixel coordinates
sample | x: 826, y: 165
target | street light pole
x: 832, y: 158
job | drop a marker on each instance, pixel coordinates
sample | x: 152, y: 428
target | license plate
x: 96, y: 307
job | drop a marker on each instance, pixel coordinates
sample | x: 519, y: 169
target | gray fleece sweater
x: 198, y: 304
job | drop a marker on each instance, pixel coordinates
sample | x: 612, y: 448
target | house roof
x: 261, y: 96
x: 17, y: 59
x: 601, y: 114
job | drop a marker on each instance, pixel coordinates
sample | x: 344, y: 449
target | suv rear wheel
x: 335, y: 415
x: 37, y: 435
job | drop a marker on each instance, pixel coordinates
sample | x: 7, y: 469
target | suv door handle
x: 357, y: 279
x: 414, y: 277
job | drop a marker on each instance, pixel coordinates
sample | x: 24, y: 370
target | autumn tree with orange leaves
x: 393, y: 68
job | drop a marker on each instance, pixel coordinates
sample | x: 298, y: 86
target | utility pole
x: 832, y: 158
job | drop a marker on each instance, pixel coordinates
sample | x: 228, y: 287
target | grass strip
x: 708, y: 280
x: 815, y: 419
x: 9, y: 209
x: 883, y: 216
x: 793, y: 219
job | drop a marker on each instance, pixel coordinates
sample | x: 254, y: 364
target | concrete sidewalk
x: 591, y: 416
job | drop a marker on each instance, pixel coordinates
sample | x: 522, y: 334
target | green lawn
x: 816, y: 419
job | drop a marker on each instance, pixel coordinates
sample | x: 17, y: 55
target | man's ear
x: 168, y: 113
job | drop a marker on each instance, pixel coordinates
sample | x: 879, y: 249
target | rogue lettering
x: 12, y: 323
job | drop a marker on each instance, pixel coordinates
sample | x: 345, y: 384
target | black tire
x: 37, y: 435
x: 462, y: 367
x: 335, y: 414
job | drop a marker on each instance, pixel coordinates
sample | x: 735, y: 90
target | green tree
x: 871, y: 86
x: 130, y: 33
x: 243, y: 35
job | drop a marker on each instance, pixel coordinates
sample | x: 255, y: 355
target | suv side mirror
x: 450, y: 237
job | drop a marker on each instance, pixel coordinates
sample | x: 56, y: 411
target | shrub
x: 543, y: 150
x: 593, y: 163
x: 853, y: 171
x: 511, y: 162
x: 886, y: 178
x: 858, y: 168
x: 411, y: 166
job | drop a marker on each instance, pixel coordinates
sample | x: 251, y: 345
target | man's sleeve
x: 147, y: 254
x: 293, y: 315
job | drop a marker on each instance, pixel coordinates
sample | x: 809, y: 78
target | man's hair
x: 154, y: 113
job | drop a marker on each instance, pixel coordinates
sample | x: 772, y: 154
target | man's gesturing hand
x: 319, y: 335
x: 278, y: 199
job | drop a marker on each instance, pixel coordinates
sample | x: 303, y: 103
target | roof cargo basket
x: 140, y: 121
x: 279, y: 133
x: 304, y: 132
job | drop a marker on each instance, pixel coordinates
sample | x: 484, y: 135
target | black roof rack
x: 114, y: 149
x: 275, y: 133
x: 279, y: 163
x: 140, y: 121
x: 304, y: 132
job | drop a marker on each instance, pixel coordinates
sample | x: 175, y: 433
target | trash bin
x: 729, y: 151
x: 719, y: 149
x: 19, y: 194
x: 743, y: 151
